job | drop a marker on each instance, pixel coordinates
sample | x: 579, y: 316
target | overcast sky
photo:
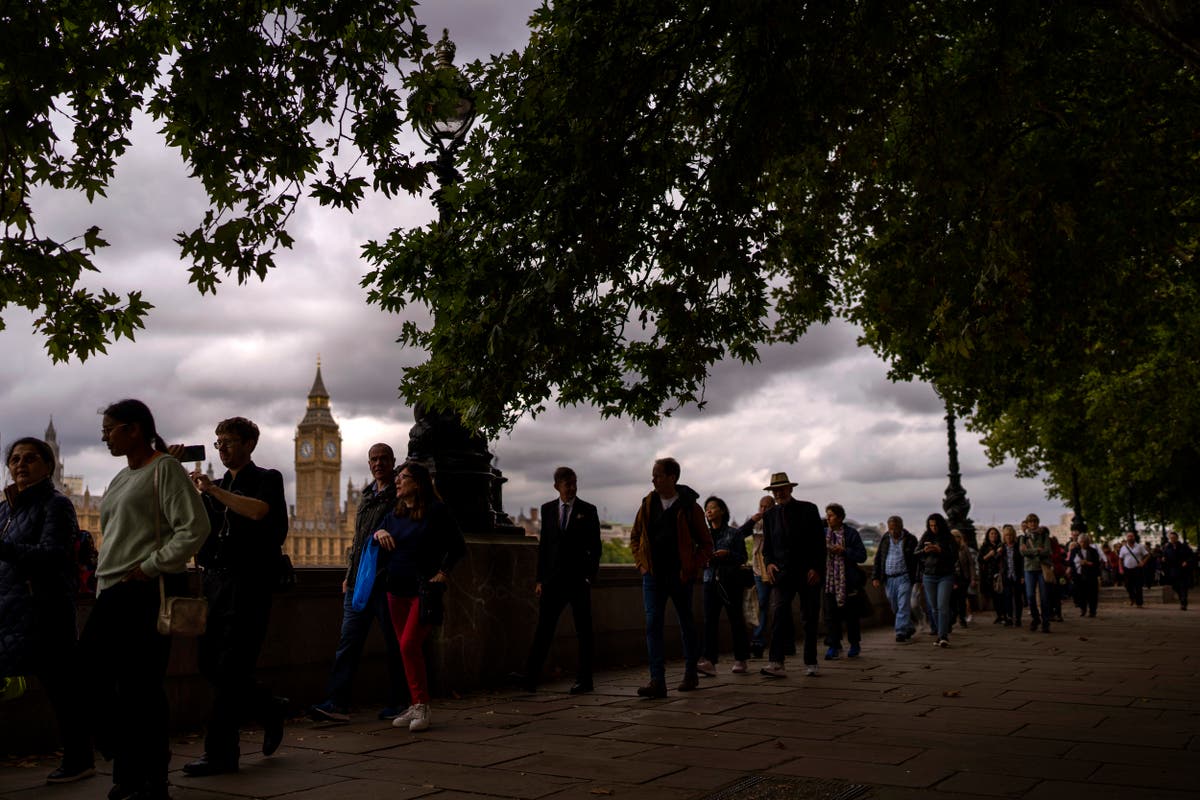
x: 822, y: 410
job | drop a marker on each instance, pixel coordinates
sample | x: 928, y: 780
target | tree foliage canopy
x: 1003, y: 197
x: 264, y: 101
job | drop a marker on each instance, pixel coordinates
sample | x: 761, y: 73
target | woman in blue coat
x: 723, y: 589
x: 38, y: 584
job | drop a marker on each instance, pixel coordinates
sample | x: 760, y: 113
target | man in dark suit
x: 568, y: 559
x: 794, y: 554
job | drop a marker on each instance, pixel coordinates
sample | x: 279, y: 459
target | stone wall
x: 490, y: 618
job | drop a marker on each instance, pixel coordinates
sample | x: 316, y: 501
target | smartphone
x: 193, y: 452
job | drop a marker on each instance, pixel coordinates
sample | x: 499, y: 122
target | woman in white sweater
x: 152, y: 522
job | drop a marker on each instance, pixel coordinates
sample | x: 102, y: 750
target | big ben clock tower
x: 318, y: 458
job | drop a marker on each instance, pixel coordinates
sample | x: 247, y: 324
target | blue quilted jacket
x: 38, y: 577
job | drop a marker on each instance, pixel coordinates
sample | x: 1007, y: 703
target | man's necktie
x: 566, y: 512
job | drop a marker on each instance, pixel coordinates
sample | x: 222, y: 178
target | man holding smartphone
x: 248, y: 514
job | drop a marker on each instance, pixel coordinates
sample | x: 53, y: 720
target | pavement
x: 1099, y: 708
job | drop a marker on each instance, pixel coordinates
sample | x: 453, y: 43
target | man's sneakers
x: 328, y: 712
x: 690, y: 683
x: 810, y: 670
x: 773, y: 670
x: 854, y: 650
x: 943, y: 642
x: 706, y: 668
x: 833, y: 654
x: 402, y: 719
x: 739, y: 668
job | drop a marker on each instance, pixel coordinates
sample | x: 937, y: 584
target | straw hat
x: 778, y: 481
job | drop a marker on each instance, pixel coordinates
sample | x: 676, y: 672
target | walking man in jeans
x: 671, y: 544
x: 377, y: 499
x: 1035, y: 550
x: 896, y: 571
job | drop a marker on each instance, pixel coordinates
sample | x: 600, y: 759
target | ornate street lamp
x: 442, y: 114
x: 1078, y: 524
x: 955, y: 503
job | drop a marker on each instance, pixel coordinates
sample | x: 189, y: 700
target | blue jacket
x: 733, y: 540
x: 38, y: 577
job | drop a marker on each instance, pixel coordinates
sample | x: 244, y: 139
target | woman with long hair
x: 723, y: 589
x: 152, y: 522
x: 940, y: 556
x: 38, y: 585
x: 422, y: 543
x: 990, y: 553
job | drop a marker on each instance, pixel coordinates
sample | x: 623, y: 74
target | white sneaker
x: 739, y: 667
x: 402, y: 720
x: 422, y: 717
x: 706, y: 668
x: 773, y: 670
x: 810, y: 670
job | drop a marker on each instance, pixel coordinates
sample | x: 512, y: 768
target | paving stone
x: 361, y: 789
x: 1071, y: 790
x: 471, y: 754
x: 795, y: 726
x: 1153, y: 757
x: 978, y: 783
x: 862, y: 771
x: 265, y: 779
x: 493, y: 781
x: 595, y: 769
x: 690, y: 755
x: 847, y: 751
x: 559, y: 743
x: 720, y: 738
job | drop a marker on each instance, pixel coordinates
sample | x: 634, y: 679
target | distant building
x: 321, y: 528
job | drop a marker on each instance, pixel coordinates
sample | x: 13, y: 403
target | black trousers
x: 1133, y: 584
x: 837, y: 618
x: 783, y: 629
x: 1087, y: 593
x: 1012, y: 600
x: 1181, y: 586
x: 57, y: 668
x: 128, y: 662
x: 718, y: 596
x: 555, y: 598
x: 239, y: 608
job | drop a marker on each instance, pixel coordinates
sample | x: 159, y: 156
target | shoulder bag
x: 179, y: 616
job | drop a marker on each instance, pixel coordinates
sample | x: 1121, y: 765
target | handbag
x: 364, y: 579
x: 1048, y: 574
x: 431, y: 604
x: 11, y: 688
x: 746, y: 577
x: 181, y: 615
x: 998, y: 583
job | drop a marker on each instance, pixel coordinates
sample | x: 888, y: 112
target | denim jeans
x: 655, y: 593
x: 763, y: 590
x: 356, y: 625
x: 1035, y: 588
x: 937, y: 594
x: 899, y: 595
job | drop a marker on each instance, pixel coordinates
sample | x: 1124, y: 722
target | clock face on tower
x: 330, y: 449
x: 306, y: 449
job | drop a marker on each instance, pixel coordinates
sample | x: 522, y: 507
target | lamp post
x: 1078, y: 524
x: 955, y: 503
x: 457, y: 456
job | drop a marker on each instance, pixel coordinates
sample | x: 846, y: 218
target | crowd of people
x: 156, y: 517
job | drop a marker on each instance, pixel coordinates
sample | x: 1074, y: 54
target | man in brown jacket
x: 671, y: 544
